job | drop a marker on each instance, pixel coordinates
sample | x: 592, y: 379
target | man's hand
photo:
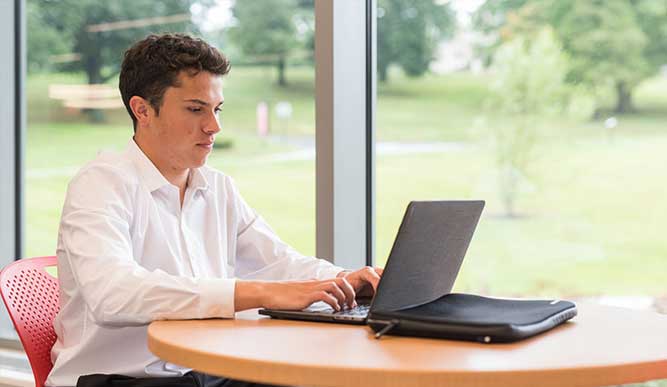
x: 364, y: 281
x: 338, y: 292
x: 293, y: 295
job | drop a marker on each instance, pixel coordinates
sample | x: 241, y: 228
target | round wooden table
x: 600, y: 347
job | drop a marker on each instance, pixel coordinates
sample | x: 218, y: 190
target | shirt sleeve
x: 95, y: 258
x: 262, y: 255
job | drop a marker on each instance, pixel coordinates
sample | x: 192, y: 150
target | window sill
x: 11, y: 378
x: 11, y: 344
x: 14, y: 367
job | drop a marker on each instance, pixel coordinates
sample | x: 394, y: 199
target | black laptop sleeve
x: 476, y: 318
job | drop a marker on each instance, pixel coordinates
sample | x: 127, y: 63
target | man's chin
x: 198, y: 159
x: 199, y: 163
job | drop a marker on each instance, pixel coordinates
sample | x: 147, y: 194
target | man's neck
x: 176, y: 176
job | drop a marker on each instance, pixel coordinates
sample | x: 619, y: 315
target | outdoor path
x: 381, y: 149
x: 305, y: 152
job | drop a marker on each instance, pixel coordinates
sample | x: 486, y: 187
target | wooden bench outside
x: 87, y: 96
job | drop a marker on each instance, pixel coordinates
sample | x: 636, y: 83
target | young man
x: 153, y: 233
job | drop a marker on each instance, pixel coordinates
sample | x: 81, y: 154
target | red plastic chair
x: 30, y: 294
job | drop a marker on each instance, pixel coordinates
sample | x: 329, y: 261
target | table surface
x: 601, y: 346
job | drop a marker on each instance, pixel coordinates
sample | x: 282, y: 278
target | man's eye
x: 217, y: 110
x: 194, y: 110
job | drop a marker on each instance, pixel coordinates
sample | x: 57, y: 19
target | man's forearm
x: 248, y: 295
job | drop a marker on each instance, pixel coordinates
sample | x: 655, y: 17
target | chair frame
x: 31, y: 296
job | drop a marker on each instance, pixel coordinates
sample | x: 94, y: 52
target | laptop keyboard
x: 358, y: 311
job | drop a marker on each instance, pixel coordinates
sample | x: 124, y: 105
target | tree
x: 609, y: 47
x: 408, y: 33
x: 265, y: 30
x: 44, y: 40
x: 73, y: 25
x: 101, y: 49
x: 529, y: 83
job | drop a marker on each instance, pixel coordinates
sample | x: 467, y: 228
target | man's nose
x: 212, y: 125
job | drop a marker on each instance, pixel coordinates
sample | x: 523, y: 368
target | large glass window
x: 551, y: 111
x: 74, y: 108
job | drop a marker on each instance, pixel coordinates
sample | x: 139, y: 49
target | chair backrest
x: 30, y: 294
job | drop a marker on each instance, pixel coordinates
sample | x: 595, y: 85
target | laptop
x: 433, y: 234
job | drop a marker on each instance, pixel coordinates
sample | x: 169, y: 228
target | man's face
x: 184, y: 131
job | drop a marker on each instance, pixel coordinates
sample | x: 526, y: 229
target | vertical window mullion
x: 344, y: 165
x: 11, y: 129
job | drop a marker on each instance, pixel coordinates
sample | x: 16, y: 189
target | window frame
x: 345, y: 92
x: 12, y: 136
x: 345, y: 155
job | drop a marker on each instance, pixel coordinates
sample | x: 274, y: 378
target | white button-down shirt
x: 129, y: 253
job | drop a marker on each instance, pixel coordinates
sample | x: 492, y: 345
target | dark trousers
x: 191, y: 379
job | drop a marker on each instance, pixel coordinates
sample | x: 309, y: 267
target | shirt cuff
x: 216, y: 297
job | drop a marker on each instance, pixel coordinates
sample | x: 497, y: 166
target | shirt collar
x: 197, y: 180
x: 152, y: 177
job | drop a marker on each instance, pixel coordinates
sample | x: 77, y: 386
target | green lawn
x: 592, y: 208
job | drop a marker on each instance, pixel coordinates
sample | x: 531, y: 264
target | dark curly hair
x: 152, y: 65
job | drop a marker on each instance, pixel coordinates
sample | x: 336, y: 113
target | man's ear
x: 142, y: 110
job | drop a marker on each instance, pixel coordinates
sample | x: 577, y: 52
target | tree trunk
x: 508, y: 190
x: 281, y: 72
x: 623, y: 98
x: 93, y: 69
x: 382, y: 73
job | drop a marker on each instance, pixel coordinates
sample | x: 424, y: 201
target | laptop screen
x: 427, y: 253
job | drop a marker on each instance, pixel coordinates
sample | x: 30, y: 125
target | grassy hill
x: 591, y: 203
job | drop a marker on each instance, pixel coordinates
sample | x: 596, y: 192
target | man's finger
x: 335, y: 291
x: 372, y: 277
x: 325, y: 296
x: 348, y: 290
